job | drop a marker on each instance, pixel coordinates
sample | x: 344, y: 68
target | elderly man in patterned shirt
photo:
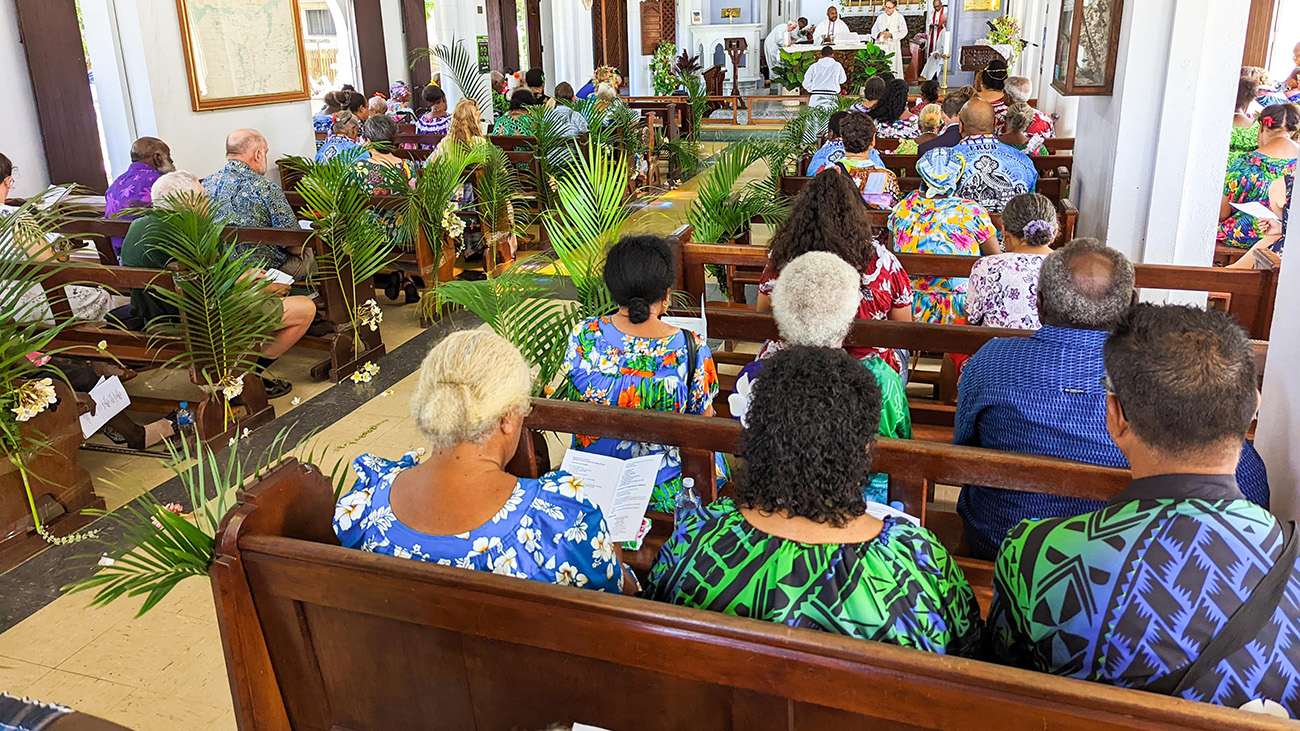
x: 244, y: 197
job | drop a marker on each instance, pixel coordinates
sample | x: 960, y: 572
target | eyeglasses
x: 1109, y: 385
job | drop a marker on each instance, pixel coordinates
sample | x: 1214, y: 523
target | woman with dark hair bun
x: 989, y: 85
x: 1250, y: 175
x: 324, y: 119
x: 796, y: 544
x: 516, y: 121
x: 632, y: 358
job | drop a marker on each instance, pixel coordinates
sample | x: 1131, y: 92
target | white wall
x: 573, y: 52
x: 116, y: 119
x: 22, y: 135
x: 462, y: 20
x: 638, y: 73
x: 394, y: 43
x: 160, y: 95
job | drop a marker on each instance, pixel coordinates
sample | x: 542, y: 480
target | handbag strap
x: 1244, y: 625
x: 692, y: 353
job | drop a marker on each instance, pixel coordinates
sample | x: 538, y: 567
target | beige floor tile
x: 136, y: 651
x: 146, y: 710
x: 16, y: 676
x: 62, y: 628
x: 82, y: 692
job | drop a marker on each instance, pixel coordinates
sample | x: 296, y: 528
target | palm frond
x: 461, y: 68
x: 720, y: 213
x: 593, y: 210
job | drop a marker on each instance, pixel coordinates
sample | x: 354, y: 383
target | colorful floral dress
x: 1003, y: 291
x: 604, y: 365
x: 861, y: 171
x: 378, y: 178
x: 322, y: 122
x: 1248, y: 179
x: 901, y: 129
x: 513, y: 126
x: 901, y: 587
x: 431, y: 125
x: 907, y: 147
x: 336, y: 145
x: 500, y: 104
x: 885, y: 286
x: 952, y: 226
x: 546, y: 531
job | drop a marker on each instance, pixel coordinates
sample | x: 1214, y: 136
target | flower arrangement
x: 369, y: 314
x: 33, y: 397
x: 1005, y: 31
x: 451, y: 221
x: 663, y: 72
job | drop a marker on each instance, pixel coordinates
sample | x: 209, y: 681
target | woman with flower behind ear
x: 1250, y: 175
x: 1003, y: 289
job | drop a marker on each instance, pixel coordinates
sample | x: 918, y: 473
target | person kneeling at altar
x: 1189, y: 588
x: 460, y: 507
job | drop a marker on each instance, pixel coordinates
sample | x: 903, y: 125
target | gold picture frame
x: 243, y: 53
x: 981, y: 5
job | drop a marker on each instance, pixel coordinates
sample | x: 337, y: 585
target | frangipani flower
x: 34, y: 397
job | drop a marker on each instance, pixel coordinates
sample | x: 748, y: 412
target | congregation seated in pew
x: 1018, y: 90
x: 929, y: 122
x: 833, y: 151
x: 384, y: 174
x: 1020, y: 117
x: 814, y: 303
x: 1003, y: 288
x: 344, y: 132
x: 890, y: 112
x: 1179, y: 584
x: 1043, y: 394
x: 796, y: 544
x: 1250, y: 175
x: 877, y: 185
x: 435, y: 121
x: 633, y: 359
x: 950, y: 110
x: 181, y: 190
x: 465, y: 128
x: 934, y: 220
x: 990, y: 86
x: 828, y: 215
x: 516, y: 122
x: 459, y: 507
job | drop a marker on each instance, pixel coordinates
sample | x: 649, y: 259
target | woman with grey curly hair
x: 1017, y: 121
x: 1003, y: 289
x: 460, y: 507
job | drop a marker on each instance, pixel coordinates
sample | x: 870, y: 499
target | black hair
x: 564, y: 91
x: 833, y: 124
x: 349, y: 87
x: 1245, y: 93
x: 809, y: 437
x: 1184, y: 377
x: 6, y: 168
x: 930, y: 91
x: 994, y: 75
x: 534, y: 78
x: 827, y: 51
x: 522, y: 98
x: 827, y: 215
x: 1281, y: 116
x: 351, y: 100
x: 858, y: 132
x: 433, y: 94
x: 381, y: 131
x: 639, y: 270
x: 892, y: 105
x: 802, y: 22
x: 874, y: 89
x: 331, y: 101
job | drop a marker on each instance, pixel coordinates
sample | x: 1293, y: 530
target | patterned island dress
x: 952, y: 226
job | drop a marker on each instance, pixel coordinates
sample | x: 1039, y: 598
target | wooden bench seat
x: 321, y: 637
x: 1054, y: 145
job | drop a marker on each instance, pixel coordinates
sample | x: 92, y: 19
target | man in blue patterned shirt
x: 995, y: 172
x: 244, y: 197
x: 1043, y: 395
x: 1134, y: 593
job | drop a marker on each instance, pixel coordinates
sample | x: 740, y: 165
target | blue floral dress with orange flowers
x: 1248, y: 179
x: 952, y: 226
x: 604, y: 365
x: 546, y: 531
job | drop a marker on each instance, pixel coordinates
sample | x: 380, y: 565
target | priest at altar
x: 889, y: 31
x: 938, y: 40
x: 837, y: 29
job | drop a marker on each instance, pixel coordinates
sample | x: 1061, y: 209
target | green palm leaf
x: 461, y: 68
x: 720, y: 213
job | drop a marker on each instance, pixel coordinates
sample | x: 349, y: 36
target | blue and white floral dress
x: 546, y: 531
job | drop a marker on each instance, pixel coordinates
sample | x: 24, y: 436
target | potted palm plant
x: 721, y: 213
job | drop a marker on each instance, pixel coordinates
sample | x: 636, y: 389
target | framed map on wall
x: 241, y: 53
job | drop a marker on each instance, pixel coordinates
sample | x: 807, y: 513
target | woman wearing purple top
x: 150, y: 160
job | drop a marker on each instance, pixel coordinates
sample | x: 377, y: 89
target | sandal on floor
x: 276, y: 388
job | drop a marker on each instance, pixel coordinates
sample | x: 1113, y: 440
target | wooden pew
x: 1055, y: 189
x: 1048, y: 166
x: 317, y: 636
x: 1055, y: 145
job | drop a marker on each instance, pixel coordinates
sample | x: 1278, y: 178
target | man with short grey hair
x: 1018, y: 90
x: 1043, y: 394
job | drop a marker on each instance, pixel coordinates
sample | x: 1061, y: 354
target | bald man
x: 995, y: 172
x: 150, y: 160
x: 240, y: 194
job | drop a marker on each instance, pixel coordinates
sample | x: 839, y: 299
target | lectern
x: 735, y: 48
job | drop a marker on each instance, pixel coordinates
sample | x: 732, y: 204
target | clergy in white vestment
x: 889, y: 31
x: 832, y: 26
x: 780, y: 37
x: 938, y: 40
x: 823, y: 80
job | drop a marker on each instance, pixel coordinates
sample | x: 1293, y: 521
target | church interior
x: 327, y: 321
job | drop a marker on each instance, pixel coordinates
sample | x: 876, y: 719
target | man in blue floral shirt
x: 245, y: 198
x: 995, y: 172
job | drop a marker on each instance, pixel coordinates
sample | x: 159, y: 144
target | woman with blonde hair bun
x: 930, y: 123
x: 460, y: 507
x: 466, y: 126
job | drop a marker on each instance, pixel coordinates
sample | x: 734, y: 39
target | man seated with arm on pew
x: 461, y: 507
x: 139, y: 250
x: 814, y: 303
x: 243, y: 196
x: 1043, y: 395
x: 995, y: 172
x: 1171, y: 586
x: 796, y: 544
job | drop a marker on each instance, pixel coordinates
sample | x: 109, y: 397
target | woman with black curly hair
x: 796, y: 544
x: 888, y: 113
x: 828, y: 215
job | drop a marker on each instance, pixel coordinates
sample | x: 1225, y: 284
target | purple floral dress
x: 1003, y: 291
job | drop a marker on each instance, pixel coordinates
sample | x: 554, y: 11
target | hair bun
x: 638, y: 310
x: 1040, y: 232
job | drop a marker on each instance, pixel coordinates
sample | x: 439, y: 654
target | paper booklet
x: 110, y: 400
x: 275, y: 276
x: 620, y: 487
x: 698, y: 325
x: 1255, y: 209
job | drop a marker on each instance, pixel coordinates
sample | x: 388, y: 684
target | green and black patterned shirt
x: 901, y: 587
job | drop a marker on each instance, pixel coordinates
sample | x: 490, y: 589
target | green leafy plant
x: 720, y: 213
x: 459, y: 66
x: 790, y: 71
x: 430, y: 206
x: 663, y: 74
x: 872, y: 61
x: 501, y: 207
x: 161, y: 547
x: 687, y: 65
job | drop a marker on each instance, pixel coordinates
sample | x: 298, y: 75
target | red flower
x: 1268, y: 122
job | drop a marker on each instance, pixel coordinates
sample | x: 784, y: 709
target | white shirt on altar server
x: 893, y: 23
x: 823, y: 80
x: 832, y: 26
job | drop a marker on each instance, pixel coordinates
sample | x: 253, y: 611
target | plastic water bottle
x: 184, y: 420
x: 687, y: 500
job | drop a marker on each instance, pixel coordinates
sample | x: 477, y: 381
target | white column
x: 395, y: 44
x: 1277, y: 434
x: 100, y: 18
x: 638, y: 70
x: 574, y: 53
x: 464, y: 21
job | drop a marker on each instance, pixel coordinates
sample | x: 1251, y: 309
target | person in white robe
x: 823, y: 80
x: 780, y: 37
x: 889, y: 31
x: 832, y: 26
x: 938, y: 40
